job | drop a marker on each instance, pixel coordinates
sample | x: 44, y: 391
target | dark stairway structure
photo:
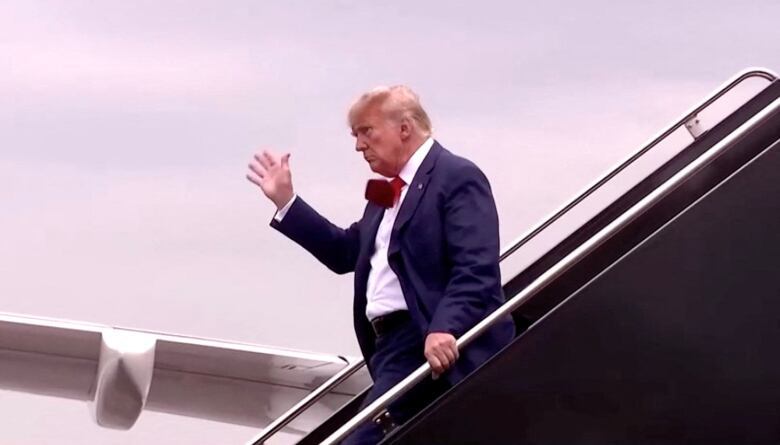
x: 656, y: 322
x: 669, y: 332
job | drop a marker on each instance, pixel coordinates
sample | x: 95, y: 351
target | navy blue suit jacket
x: 444, y: 249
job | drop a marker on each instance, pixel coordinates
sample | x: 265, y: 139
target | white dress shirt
x: 283, y: 211
x: 383, y: 290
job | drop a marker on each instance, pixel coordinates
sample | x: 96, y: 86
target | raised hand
x: 272, y: 174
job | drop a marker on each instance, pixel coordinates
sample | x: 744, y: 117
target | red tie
x: 397, y: 184
x: 384, y: 193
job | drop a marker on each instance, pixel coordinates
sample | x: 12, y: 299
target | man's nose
x: 360, y: 145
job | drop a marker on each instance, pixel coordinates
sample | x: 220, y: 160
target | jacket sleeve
x: 471, y: 248
x: 335, y: 247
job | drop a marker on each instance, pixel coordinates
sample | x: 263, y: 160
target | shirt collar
x: 414, y: 163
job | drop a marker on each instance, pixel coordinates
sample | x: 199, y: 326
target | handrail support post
x: 694, y: 126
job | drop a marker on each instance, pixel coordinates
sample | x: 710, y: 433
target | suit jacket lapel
x: 413, y: 196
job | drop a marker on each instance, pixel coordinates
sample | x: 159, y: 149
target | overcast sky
x: 127, y: 128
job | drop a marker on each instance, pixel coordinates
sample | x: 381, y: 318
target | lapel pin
x: 419, y: 186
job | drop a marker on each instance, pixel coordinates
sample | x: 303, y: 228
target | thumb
x: 286, y: 161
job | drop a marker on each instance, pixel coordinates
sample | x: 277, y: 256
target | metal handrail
x: 380, y: 404
x: 305, y: 403
x: 717, y: 94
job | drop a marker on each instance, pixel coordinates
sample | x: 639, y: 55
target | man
x: 425, y: 260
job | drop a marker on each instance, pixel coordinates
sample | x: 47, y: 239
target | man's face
x: 379, y: 139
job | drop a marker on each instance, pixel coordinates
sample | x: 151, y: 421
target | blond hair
x: 395, y: 102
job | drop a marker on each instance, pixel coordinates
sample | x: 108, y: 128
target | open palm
x: 272, y: 174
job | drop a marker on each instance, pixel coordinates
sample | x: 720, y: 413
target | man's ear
x: 405, y: 128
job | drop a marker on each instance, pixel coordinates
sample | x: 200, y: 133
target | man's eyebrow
x: 360, y: 129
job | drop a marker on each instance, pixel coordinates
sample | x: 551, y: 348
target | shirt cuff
x: 283, y: 211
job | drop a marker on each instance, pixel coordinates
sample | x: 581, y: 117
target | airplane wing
x: 121, y: 372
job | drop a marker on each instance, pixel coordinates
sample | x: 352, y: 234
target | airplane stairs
x: 656, y: 322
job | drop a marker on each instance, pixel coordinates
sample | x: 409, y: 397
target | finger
x: 446, y: 351
x: 286, y: 161
x: 435, y: 376
x: 253, y: 180
x: 452, y: 355
x: 443, y: 360
x: 452, y: 347
x: 263, y: 161
x: 259, y: 171
x: 271, y: 159
x: 435, y: 364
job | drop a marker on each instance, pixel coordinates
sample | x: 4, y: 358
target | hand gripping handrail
x: 379, y: 405
x: 351, y: 369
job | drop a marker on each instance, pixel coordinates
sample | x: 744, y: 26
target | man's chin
x: 374, y: 168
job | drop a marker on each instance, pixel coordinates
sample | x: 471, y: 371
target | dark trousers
x: 398, y: 353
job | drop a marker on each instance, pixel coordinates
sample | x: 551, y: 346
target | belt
x: 388, y: 322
